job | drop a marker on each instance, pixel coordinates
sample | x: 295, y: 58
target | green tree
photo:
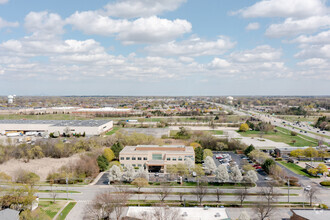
x: 102, y: 162
x: 310, y: 152
x: 199, y: 155
x: 248, y: 149
x: 116, y: 148
x: 268, y: 164
x: 322, y: 168
x: 108, y: 153
x: 297, y: 153
x: 207, y: 152
x: 244, y: 127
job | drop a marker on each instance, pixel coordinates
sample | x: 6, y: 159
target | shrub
x: 117, y: 163
x: 4, y: 177
x: 293, y: 133
x: 26, y: 177
x: 248, y: 149
x: 279, y: 159
x: 268, y: 164
x: 325, y: 183
x: 244, y: 127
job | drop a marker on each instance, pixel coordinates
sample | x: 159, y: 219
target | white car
x: 308, y: 188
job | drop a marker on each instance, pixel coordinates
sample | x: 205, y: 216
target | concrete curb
x: 58, y: 213
x: 96, y: 179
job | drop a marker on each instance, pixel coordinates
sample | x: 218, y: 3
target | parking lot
x: 240, y: 162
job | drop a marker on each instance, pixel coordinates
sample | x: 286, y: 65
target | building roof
x: 191, y: 213
x: 168, y: 148
x: 9, y: 214
x: 312, y: 214
x: 59, y: 123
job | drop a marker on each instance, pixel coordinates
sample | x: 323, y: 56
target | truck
x: 14, y: 134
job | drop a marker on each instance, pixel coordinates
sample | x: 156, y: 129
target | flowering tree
x: 251, y: 176
x: 210, y: 164
x: 142, y: 173
x: 129, y: 173
x: 115, y: 173
x: 221, y: 173
x: 235, y: 175
x: 190, y: 164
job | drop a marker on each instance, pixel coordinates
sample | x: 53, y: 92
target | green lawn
x: 66, y: 211
x: 284, y: 136
x: 114, y: 130
x: 216, y: 132
x: 50, y: 208
x: 295, y: 168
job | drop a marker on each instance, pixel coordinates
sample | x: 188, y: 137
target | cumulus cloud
x: 284, y: 8
x: 261, y: 53
x: 140, y: 8
x: 4, y: 24
x: 252, y: 26
x: 314, y: 51
x: 44, y: 24
x: 141, y: 30
x: 192, y: 47
x: 292, y: 27
x: 3, y: 1
x: 320, y: 38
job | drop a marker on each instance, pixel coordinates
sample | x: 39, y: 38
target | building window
x: 122, y: 158
x: 139, y: 165
x: 133, y: 158
x: 180, y: 158
x: 133, y: 165
x: 157, y: 157
x: 168, y: 158
x: 174, y: 158
x: 139, y: 158
x: 127, y: 158
x: 122, y: 165
x: 144, y: 158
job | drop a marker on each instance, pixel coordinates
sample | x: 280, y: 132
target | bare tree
x: 219, y: 194
x: 107, y: 205
x: 53, y: 194
x: 166, y: 213
x: 265, y: 208
x: 241, y: 195
x: 200, y: 191
x: 311, y: 195
x: 163, y: 192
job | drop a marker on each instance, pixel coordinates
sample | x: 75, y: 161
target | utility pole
x: 67, y: 181
x: 288, y: 190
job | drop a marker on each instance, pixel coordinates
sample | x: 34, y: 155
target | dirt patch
x: 42, y: 166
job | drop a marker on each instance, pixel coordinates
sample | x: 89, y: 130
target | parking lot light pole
x: 288, y: 190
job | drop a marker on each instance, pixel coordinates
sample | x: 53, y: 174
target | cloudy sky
x: 165, y: 47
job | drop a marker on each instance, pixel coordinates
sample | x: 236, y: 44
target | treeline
x: 323, y: 123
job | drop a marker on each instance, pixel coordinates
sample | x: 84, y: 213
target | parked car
x: 307, y: 188
x: 194, y: 174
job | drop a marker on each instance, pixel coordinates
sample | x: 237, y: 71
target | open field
x: 295, y: 168
x: 41, y: 167
x: 50, y: 208
x: 284, y: 136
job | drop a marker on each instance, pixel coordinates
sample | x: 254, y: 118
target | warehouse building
x: 89, y: 127
x: 155, y: 158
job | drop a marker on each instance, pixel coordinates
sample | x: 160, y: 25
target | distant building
x: 11, y: 99
x: 310, y: 214
x: 89, y: 127
x: 9, y: 214
x: 155, y: 158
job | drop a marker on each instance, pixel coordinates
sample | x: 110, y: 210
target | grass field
x: 114, y: 130
x: 296, y: 169
x: 50, y: 208
x: 284, y: 136
x: 66, y: 211
x: 294, y: 118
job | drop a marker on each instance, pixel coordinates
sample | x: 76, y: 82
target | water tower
x: 11, y: 99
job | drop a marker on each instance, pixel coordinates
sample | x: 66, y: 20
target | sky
x: 165, y: 47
